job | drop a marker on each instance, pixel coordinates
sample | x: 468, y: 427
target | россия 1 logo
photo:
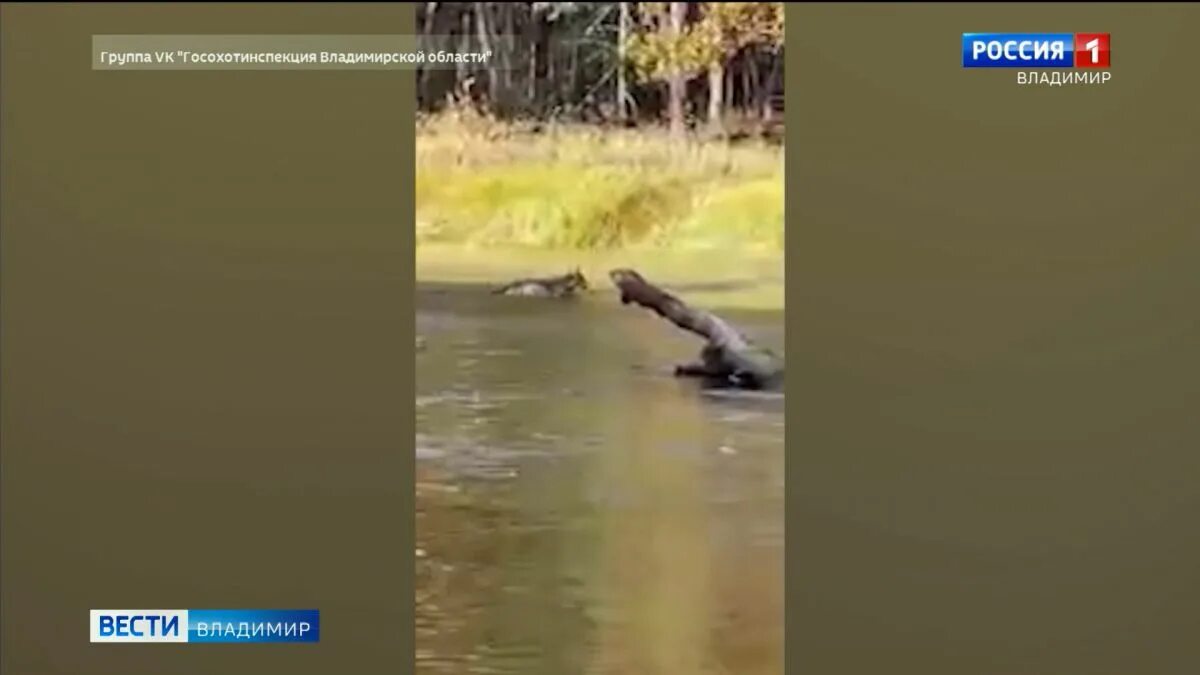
x: 1036, y: 50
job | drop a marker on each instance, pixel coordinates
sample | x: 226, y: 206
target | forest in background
x: 628, y: 63
x: 603, y: 126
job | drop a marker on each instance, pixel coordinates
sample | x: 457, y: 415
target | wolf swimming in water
x: 563, y: 286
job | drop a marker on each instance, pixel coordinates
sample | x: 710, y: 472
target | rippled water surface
x: 579, y: 510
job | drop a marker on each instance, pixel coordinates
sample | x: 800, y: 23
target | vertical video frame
x: 600, y: 339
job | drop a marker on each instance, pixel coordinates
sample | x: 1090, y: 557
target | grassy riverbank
x: 481, y: 182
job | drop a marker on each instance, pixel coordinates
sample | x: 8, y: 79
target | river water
x: 580, y: 510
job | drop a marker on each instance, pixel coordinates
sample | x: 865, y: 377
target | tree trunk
x: 460, y: 69
x: 676, y: 84
x: 551, y: 73
x: 622, y: 86
x: 727, y: 359
x: 485, y: 45
x: 716, y: 97
x: 573, y: 78
x: 747, y: 106
x: 774, y: 88
x: 510, y: 45
x: 731, y: 84
x: 533, y: 39
x: 754, y: 102
x: 423, y: 73
x: 531, y: 83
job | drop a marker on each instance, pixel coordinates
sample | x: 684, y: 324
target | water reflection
x: 580, y: 512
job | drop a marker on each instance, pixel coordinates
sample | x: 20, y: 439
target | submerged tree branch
x: 727, y: 357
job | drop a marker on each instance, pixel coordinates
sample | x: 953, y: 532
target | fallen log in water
x: 728, y: 358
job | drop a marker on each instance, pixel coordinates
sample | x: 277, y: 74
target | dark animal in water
x: 727, y: 359
x: 563, y: 286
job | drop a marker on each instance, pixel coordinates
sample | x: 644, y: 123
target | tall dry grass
x: 547, y: 185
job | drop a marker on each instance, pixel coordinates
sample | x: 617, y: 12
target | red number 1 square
x: 1092, y: 50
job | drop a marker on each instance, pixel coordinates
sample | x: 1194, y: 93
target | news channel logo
x: 1036, y: 50
x: 205, y: 625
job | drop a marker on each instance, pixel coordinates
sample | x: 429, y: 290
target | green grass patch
x: 743, y: 213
